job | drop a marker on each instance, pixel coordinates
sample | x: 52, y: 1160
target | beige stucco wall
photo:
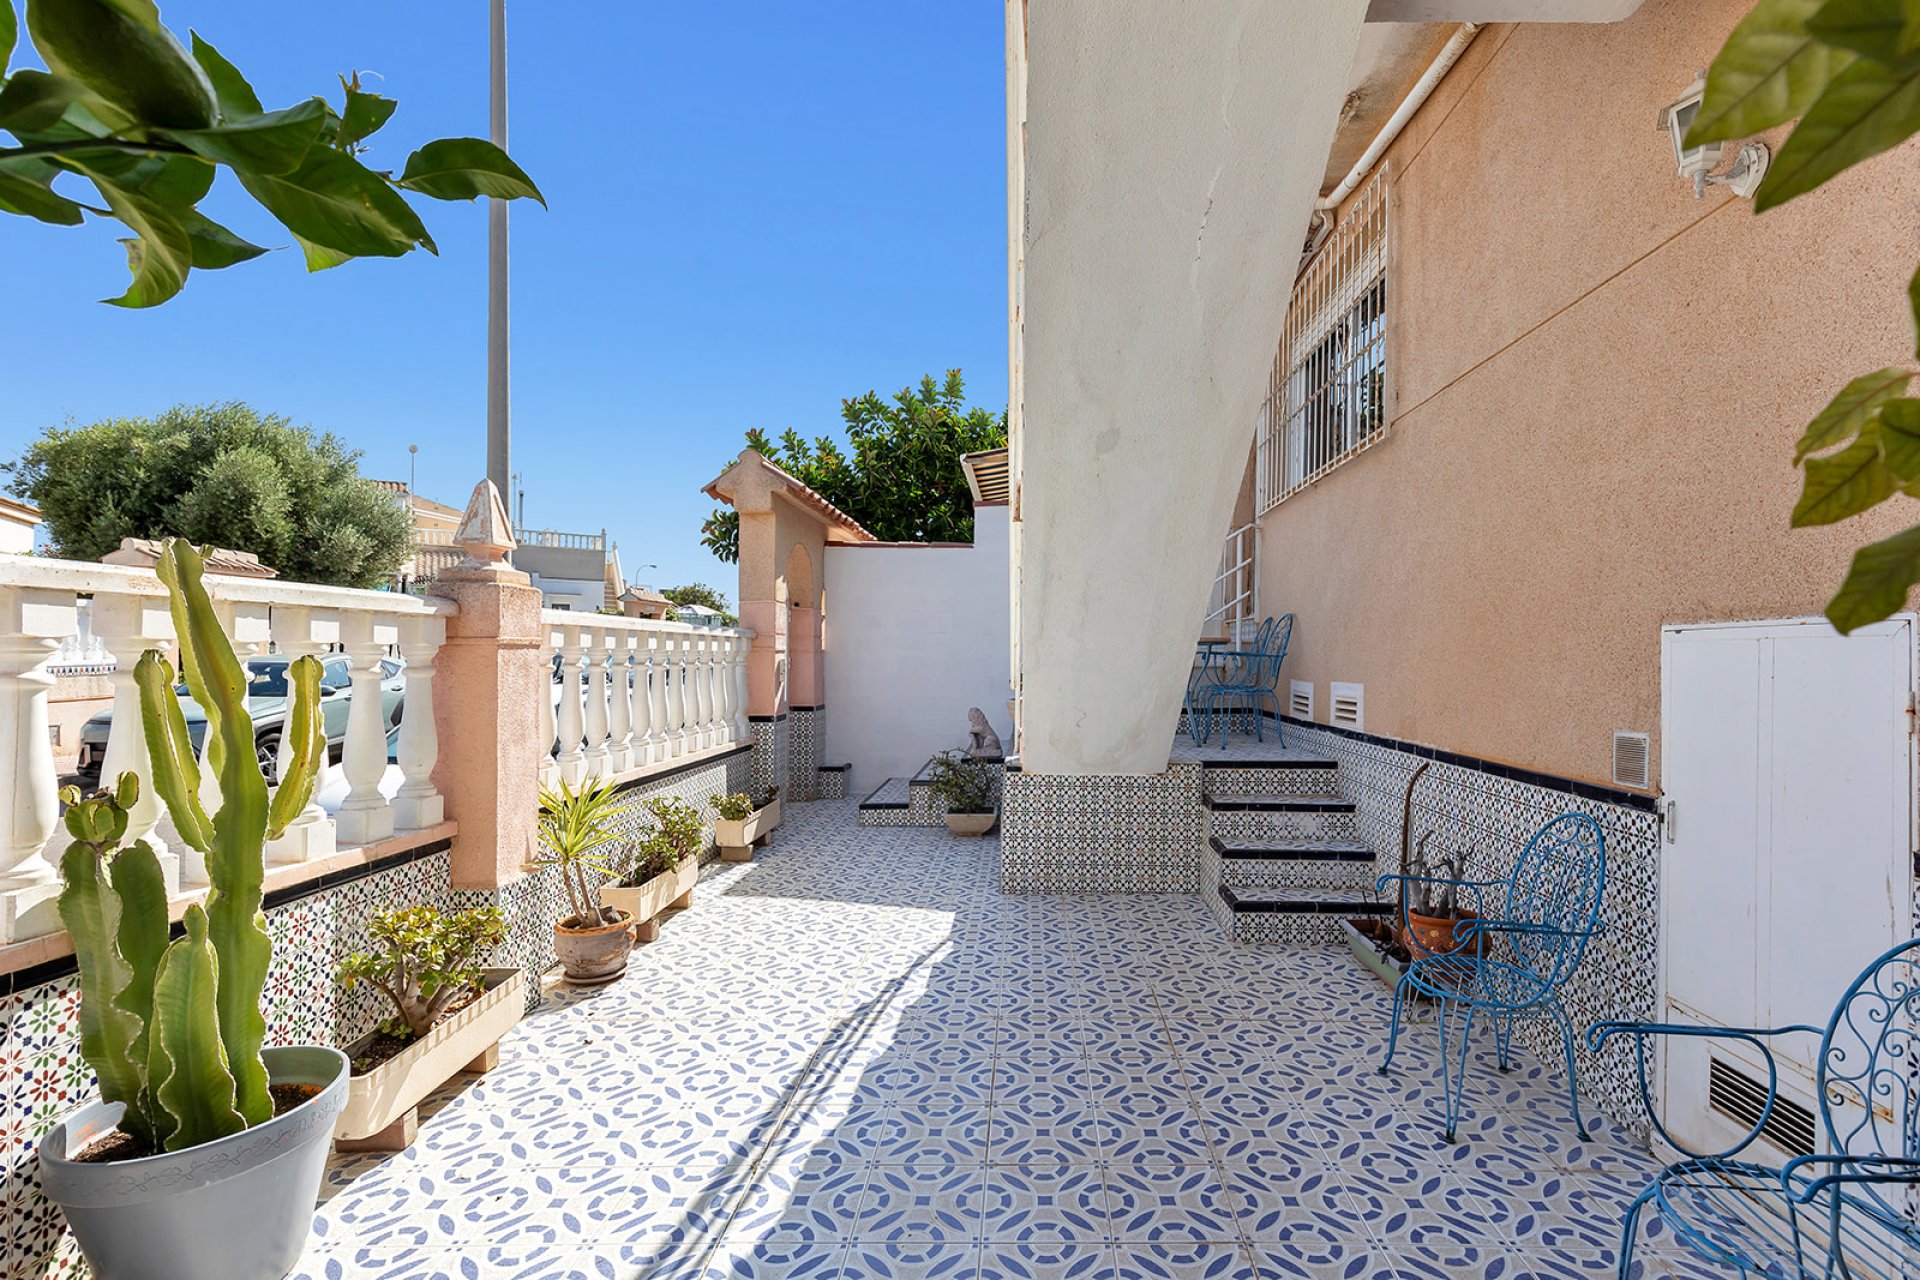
x: 1599, y: 380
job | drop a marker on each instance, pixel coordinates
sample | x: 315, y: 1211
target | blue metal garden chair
x: 1522, y: 942
x: 1247, y: 675
x: 1847, y: 1212
x: 1210, y: 657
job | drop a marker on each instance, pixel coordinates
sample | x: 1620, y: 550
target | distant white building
x: 18, y: 520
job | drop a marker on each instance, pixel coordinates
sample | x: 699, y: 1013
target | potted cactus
x: 200, y: 1135
x: 739, y: 824
x: 448, y: 1016
x: 667, y: 869
x: 577, y: 831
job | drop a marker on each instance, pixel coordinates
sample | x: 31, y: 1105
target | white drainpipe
x: 1416, y: 98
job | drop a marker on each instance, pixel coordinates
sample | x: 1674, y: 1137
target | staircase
x: 1284, y: 861
x: 909, y: 802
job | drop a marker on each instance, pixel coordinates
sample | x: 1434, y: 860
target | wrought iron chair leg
x: 1630, y: 1233
x: 1393, y: 1032
x: 1502, y: 1039
x: 1573, y: 1075
x: 1453, y: 1083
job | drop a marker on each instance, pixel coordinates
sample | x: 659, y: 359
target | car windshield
x: 265, y: 679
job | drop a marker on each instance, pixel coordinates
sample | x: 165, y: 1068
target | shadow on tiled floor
x: 855, y: 1058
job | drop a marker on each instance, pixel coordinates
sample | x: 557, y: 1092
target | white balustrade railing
x: 634, y: 692
x: 39, y: 600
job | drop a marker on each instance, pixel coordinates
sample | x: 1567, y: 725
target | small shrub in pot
x: 964, y: 786
x: 425, y: 963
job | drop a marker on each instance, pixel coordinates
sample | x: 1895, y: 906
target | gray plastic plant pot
x: 236, y: 1209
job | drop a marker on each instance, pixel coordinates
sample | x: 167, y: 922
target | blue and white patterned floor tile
x: 854, y: 1059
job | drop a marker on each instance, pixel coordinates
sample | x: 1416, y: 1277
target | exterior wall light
x: 1698, y: 163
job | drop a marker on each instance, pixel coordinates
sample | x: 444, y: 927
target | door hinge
x: 1667, y: 811
x: 1913, y: 715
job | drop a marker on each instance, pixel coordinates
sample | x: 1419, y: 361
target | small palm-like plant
x: 173, y: 1028
x: 578, y: 831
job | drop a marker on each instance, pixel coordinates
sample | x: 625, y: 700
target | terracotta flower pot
x: 595, y: 954
x: 1426, y: 936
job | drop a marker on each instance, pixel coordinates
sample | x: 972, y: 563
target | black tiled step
x: 1301, y: 902
x: 891, y: 794
x: 1293, y: 850
x: 1277, y: 804
x: 1228, y: 763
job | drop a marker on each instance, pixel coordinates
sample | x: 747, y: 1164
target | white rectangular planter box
x: 645, y: 902
x: 388, y: 1094
x: 737, y: 838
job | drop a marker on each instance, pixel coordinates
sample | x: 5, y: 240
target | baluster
x: 742, y: 727
x: 300, y: 632
x: 597, y: 643
x: 657, y: 749
x: 723, y: 683
x: 549, y: 728
x: 32, y: 625
x: 620, y: 703
x: 673, y: 643
x: 697, y: 731
x: 419, y: 804
x: 715, y: 734
x: 572, y: 757
x: 128, y: 626
x: 364, y: 817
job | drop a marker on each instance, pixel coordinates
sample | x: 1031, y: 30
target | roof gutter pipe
x: 1416, y: 98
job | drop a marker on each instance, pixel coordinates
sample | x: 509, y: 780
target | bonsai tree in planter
x: 964, y: 786
x: 577, y: 831
x: 426, y: 963
x: 676, y: 837
x: 173, y: 1027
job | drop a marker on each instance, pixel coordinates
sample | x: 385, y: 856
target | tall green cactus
x: 174, y: 1028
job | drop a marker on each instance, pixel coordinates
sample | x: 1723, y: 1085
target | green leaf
x: 271, y: 144
x: 119, y: 50
x: 235, y: 96
x: 321, y: 258
x: 9, y: 33
x: 1877, y: 583
x: 363, y: 116
x: 20, y: 195
x: 188, y: 1066
x: 1846, y: 483
x: 160, y: 253
x: 335, y: 201
x: 91, y: 912
x: 1868, y: 27
x: 214, y: 246
x: 1770, y: 70
x: 33, y: 101
x: 463, y: 168
x: 1899, y: 431
x: 1850, y: 410
x: 1865, y: 110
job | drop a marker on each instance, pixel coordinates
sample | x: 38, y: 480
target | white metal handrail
x: 639, y: 691
x: 1234, y: 603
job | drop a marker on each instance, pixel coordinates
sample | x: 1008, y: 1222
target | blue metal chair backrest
x: 1277, y: 641
x: 1557, y: 885
x: 1867, y: 1073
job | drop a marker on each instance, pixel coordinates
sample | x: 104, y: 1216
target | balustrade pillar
x: 620, y: 702
x: 128, y: 626
x: 598, y: 644
x: 549, y: 727
x: 32, y: 625
x: 715, y: 734
x: 571, y: 759
x: 657, y: 749
x: 419, y: 803
x: 364, y: 817
x: 301, y: 632
x: 671, y: 645
x: 741, y: 725
x: 723, y: 681
x: 700, y: 731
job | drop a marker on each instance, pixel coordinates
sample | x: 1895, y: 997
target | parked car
x: 267, y: 704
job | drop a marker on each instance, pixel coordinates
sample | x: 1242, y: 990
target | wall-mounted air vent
x: 1347, y: 704
x: 1741, y: 1098
x: 1300, y: 699
x: 1632, y: 760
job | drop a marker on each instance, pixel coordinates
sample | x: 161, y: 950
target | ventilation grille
x: 1348, y: 704
x: 1300, y: 699
x: 1741, y: 1098
x: 1632, y: 760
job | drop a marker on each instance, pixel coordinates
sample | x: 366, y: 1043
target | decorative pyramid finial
x: 485, y: 533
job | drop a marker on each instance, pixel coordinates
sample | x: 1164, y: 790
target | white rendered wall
x: 915, y: 636
x: 577, y: 594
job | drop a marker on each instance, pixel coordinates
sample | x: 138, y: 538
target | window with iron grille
x: 1326, y: 398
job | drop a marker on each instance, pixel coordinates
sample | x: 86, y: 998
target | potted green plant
x: 1431, y: 913
x: 200, y: 1134
x: 448, y: 1016
x: 739, y: 824
x: 667, y: 866
x: 964, y: 788
x: 577, y: 828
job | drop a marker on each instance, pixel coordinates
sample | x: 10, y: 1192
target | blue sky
x: 756, y: 209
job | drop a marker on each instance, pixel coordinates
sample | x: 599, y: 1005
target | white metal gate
x: 1788, y: 769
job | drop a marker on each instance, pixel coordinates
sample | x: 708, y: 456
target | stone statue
x: 982, y: 741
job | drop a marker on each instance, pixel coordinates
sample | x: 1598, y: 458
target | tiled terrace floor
x: 855, y: 1058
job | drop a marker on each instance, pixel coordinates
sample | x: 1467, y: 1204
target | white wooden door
x: 1788, y: 771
